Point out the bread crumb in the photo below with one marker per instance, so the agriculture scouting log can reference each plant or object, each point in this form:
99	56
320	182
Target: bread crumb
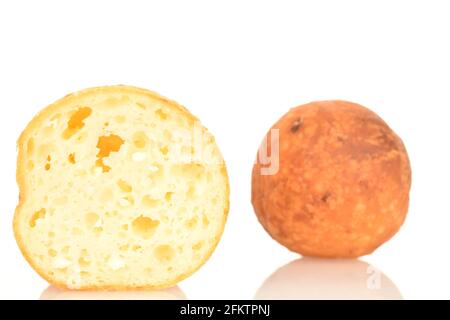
116	263
138	156
61	263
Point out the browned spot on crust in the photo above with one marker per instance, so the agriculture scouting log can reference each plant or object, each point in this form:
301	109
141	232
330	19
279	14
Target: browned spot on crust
296	125
325	197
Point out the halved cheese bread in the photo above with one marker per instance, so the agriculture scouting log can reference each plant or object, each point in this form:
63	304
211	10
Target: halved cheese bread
120	188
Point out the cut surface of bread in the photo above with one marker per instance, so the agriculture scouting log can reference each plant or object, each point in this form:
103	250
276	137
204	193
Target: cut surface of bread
120	188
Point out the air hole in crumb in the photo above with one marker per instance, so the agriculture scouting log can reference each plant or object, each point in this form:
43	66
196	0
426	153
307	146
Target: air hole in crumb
124	186
76	122
164	253
168	196
51	234
144	227
140	139
40	214
124	227
191	223
164	150
161	114
84	262
197	246
71	158
149	202
106	145
52	253
47	165
92	220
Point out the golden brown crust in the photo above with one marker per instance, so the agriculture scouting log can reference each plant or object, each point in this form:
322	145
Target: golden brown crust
20	177
342	188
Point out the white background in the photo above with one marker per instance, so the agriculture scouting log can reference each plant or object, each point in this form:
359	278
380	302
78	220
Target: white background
239	66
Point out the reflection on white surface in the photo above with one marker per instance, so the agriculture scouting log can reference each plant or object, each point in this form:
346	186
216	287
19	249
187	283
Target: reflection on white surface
53	293
310	278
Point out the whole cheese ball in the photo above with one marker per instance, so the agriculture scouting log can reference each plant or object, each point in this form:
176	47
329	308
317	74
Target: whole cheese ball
340	185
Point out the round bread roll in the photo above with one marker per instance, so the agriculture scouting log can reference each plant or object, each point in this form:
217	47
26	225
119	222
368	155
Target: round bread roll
120	188
339	187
